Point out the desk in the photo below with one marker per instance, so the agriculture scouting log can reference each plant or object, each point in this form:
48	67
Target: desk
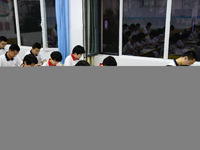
147	51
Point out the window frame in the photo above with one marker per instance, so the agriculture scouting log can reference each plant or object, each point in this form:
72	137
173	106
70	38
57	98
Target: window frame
43	25
167	31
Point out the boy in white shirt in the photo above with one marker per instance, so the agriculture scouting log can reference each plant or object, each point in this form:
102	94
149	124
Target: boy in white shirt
3	43
187	59
36	51
10	59
76	55
55	59
29	61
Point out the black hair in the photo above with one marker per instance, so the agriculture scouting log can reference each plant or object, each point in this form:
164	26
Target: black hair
109	61
78	50
3	38
82	63
37	45
149	24
190	54
30	59
14	47
57	56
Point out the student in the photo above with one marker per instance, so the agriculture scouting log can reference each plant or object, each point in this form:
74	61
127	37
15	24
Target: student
36	51
76	55
82	63
10	58
3	43
29	61
187	59
129	48
146	30
55	59
109	61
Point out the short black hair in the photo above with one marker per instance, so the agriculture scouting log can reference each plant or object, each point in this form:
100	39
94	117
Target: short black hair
82	63
57	56
149	24
109	61
78	50
37	45
30	59
3	38
14	47
190	54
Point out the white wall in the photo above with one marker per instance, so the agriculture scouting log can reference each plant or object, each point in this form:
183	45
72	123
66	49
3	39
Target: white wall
75	23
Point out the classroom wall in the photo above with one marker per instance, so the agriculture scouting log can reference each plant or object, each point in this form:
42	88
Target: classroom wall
75	23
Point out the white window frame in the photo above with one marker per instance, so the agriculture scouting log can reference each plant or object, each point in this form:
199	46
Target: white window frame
43	25
167	29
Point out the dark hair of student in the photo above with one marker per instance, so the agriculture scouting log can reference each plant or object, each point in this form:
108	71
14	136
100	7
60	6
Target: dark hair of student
109	61
14	47
82	63
30	59
37	45
3	38
78	50
57	56
149	24
190	54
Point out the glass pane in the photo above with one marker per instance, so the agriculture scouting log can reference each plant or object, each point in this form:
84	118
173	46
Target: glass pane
185	28
143	27
7	21
111	26
93	26
51	24
30	21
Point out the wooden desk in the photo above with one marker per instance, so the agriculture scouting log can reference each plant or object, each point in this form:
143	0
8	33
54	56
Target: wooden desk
148	51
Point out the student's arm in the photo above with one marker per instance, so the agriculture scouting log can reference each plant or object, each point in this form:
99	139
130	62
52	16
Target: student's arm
41	63
19	62
67	62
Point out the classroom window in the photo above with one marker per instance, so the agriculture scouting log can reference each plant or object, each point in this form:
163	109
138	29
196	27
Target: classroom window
30	21
110	27
185	29
51	24
143	28
7	21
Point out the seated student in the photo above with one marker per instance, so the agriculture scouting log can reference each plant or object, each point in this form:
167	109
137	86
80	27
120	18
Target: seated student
146	29
82	63
187	59
129	48
3	43
76	55
29	61
36	51
10	59
109	61
55	59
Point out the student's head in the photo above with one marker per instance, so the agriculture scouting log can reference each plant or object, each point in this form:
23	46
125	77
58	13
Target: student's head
82	63
188	58
3	42
78	51
13	50
30	60
125	26
55	57
148	26
134	39
36	48
109	61
138	26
